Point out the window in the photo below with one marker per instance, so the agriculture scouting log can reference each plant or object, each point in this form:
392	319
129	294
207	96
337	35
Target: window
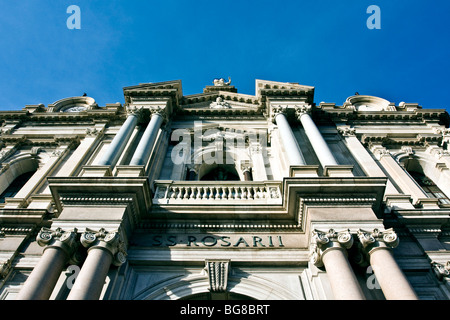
430	188
15	186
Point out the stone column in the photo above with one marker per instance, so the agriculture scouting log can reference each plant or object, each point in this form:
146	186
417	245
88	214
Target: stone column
318	143
59	248
392	281
329	251
247	174
119	142
104	248
145	146
287	137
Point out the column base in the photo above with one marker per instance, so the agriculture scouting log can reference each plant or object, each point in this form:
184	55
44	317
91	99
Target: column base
338	171
96	171
303	171
130	171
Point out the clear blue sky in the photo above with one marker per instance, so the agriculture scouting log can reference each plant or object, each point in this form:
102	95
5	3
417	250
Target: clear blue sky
320	43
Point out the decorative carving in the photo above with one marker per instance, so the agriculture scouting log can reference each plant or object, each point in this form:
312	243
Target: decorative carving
301	110
65	240
220	104
378	239
440	270
110	240
322	241
347	132
5	268
217	274
220	82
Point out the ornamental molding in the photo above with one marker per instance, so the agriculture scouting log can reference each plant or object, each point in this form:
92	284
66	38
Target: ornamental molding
332	201
217	271
221	227
324	241
109	240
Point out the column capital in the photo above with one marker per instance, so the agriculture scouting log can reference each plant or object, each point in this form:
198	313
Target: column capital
302	110
276	110
160	112
65	240
346	131
134	111
376	239
109	240
324	241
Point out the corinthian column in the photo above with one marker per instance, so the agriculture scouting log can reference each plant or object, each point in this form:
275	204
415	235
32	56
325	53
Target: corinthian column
104	248
287	137
59	247
392	281
318	143
145	146
119	142
329	251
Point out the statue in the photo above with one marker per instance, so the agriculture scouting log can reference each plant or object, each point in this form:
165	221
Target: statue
219	104
220	82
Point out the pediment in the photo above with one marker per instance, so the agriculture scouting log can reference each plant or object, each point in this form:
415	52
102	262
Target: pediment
220	101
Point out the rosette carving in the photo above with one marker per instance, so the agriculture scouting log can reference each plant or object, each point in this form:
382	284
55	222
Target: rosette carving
322	241
110	240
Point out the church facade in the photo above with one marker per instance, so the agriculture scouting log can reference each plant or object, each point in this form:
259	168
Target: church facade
223	195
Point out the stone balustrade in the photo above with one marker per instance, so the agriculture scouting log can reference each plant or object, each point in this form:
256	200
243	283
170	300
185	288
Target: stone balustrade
228	192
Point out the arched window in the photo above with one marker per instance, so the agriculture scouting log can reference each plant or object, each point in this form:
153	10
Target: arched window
15	186
430	188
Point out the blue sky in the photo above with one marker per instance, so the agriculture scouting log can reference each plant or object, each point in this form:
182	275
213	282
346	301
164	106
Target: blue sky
321	43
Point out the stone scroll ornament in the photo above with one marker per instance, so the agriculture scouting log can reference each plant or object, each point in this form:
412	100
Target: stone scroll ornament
110	240
322	241
63	239
372	240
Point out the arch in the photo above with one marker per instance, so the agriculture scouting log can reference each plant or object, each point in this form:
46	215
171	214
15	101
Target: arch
17	166
422	163
73	103
253	287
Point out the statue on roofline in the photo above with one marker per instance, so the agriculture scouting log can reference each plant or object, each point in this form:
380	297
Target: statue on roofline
220	82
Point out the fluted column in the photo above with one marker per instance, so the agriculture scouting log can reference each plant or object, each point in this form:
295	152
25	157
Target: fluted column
393	283
104	248
59	248
329	251
145	146
119	142
287	137
318	143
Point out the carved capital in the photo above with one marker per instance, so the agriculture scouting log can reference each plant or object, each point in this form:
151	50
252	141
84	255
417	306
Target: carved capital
133	110
59	238
301	110
372	240
217	274
276	110
347	131
321	242
380	152
109	240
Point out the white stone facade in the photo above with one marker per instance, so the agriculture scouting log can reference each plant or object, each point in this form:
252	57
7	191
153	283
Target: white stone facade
222	195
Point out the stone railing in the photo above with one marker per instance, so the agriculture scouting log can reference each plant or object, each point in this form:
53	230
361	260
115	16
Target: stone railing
223	192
